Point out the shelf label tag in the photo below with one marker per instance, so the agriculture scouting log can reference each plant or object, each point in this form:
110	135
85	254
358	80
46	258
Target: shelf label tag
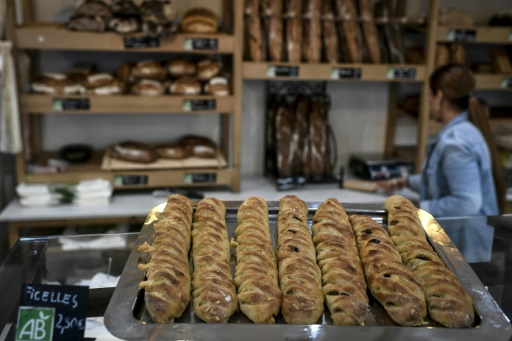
141	42
210	44
401	73
130	180
199	104
461	34
346	73
63	104
52	312
506	83
283	71
200	178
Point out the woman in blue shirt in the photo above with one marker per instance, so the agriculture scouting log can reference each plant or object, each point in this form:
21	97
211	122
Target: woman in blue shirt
462	174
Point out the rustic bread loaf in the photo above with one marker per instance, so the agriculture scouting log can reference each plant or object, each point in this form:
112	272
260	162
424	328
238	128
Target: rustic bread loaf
390	282
344	285
167	283
447	301
256	276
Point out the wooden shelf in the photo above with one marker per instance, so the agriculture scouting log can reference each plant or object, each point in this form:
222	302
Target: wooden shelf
333	72
476	34
127	104
493	81
45	36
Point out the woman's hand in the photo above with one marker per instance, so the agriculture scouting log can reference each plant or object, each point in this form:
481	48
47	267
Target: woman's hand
393	185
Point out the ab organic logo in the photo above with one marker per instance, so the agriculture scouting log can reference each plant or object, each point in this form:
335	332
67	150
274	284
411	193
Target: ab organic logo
35	324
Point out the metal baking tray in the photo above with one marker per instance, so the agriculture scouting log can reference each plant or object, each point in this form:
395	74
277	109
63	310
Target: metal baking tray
127	318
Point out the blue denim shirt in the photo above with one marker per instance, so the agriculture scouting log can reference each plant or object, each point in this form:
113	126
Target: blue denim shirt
456	178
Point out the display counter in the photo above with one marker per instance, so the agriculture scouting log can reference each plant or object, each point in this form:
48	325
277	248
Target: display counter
484	242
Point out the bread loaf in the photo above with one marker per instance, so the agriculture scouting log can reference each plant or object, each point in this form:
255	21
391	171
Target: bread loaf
344	285
253	31
174	151
149	69
214	292
330	35
312	47
447	301
442	55
180	67
256	276
148	87
390	282
293	19
299	275
273	11
318	137
134	152
370	31
185	86
347	13
199	20
167	283
300	158
283	131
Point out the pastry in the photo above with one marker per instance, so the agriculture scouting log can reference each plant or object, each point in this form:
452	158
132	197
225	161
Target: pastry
185	86
299	275
447	301
148	87
256	276
199	20
253	32
390	282
167	283
273	11
180	67
149	69
86	23
217	86
174	151
312	47
293	20
207	69
213	289
134	152
343	280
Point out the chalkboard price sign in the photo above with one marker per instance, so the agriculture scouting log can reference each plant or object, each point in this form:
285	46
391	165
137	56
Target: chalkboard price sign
141	42
71	104
462	34
196	178
207	44
346	73
199	104
283	71
52	312
403	73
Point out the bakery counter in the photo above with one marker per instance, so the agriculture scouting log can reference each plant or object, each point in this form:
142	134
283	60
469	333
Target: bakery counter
97	261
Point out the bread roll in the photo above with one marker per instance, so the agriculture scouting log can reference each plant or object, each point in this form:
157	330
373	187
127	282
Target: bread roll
312	46
344	285
167	283
293	18
256	276
214	292
390	282
300	278
447	301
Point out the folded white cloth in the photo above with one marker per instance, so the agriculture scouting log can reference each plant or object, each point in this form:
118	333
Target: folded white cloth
92	185
93	243
40	201
104	193
24	190
92	202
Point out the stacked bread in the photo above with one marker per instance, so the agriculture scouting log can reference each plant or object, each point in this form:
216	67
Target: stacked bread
333	262
185	147
299	138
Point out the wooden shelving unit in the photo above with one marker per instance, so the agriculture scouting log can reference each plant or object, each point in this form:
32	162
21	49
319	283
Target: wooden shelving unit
36	36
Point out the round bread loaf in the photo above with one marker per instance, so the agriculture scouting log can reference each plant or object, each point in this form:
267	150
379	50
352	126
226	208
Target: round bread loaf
149	69
180	67
199	20
207	69
217	86
185	86
148	87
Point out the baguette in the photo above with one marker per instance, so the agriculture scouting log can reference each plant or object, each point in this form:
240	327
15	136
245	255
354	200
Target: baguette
370	31
330	35
256	276
390	281
273	11
299	275
167	283
293	30
346	11
448	303
214	292
312	47
254	37
344	285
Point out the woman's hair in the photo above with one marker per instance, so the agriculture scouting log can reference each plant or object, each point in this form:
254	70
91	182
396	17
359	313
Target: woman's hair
457	83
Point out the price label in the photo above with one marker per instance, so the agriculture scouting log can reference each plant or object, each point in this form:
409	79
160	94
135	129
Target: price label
52	312
401	73
209	44
199	104
506	83
461	34
70	104
141	42
346	73
130	180
200	178
283	71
